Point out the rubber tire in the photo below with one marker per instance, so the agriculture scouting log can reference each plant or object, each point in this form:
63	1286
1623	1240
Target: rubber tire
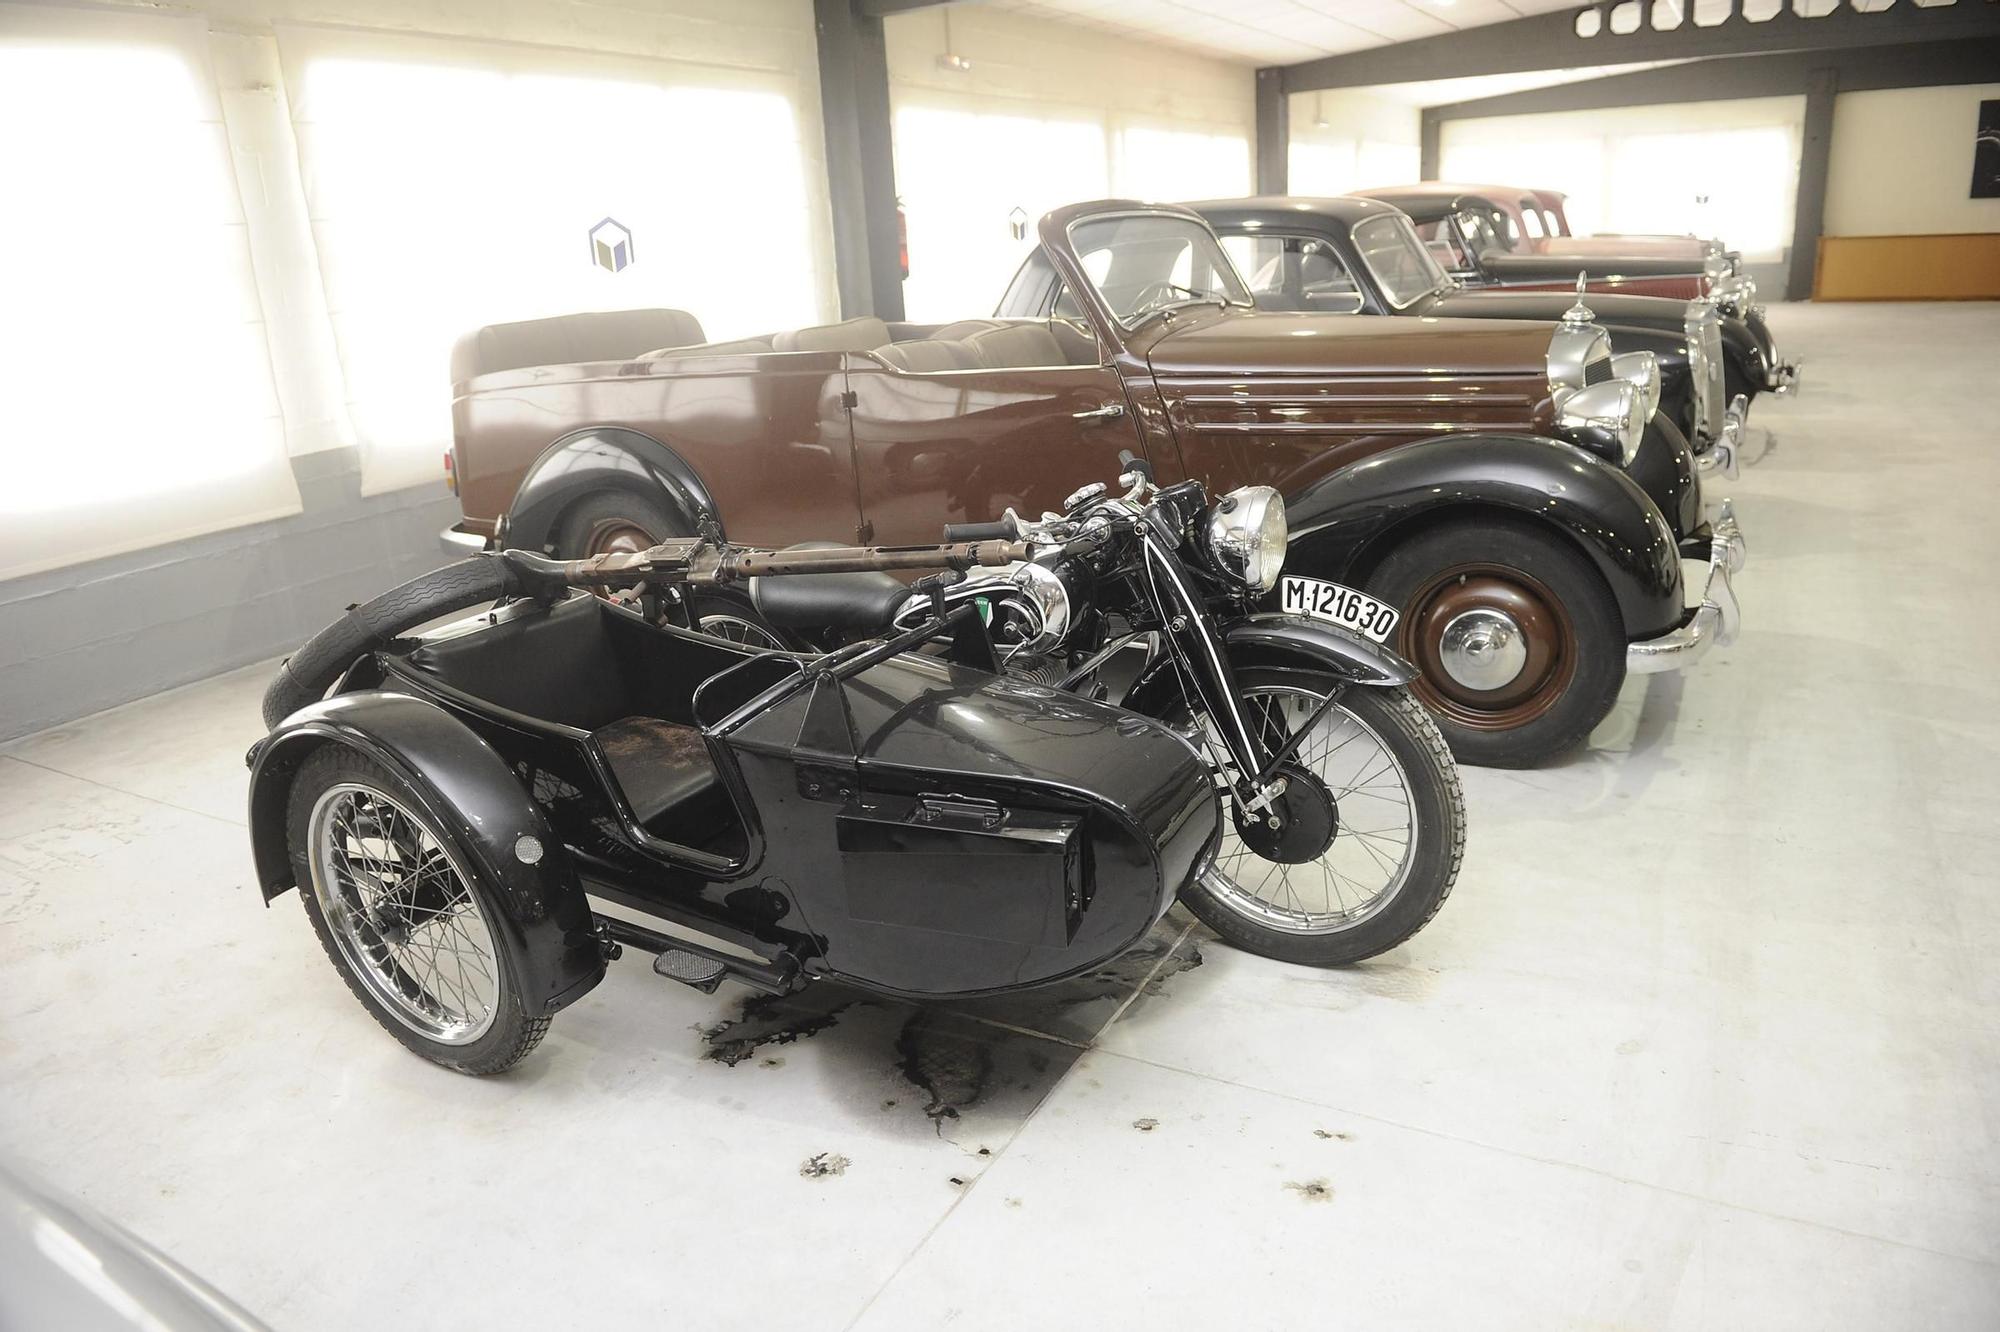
514	1032
1600	629
1408	728
649	516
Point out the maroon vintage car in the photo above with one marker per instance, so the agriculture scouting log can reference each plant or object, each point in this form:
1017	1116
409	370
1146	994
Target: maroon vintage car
1480	233
1499	485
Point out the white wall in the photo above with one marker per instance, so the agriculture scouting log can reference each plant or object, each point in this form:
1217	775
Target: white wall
1902	163
1727	169
1364	141
1049	113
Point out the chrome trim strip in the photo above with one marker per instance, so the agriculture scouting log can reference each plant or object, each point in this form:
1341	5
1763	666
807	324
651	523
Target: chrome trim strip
1351	427
1353	399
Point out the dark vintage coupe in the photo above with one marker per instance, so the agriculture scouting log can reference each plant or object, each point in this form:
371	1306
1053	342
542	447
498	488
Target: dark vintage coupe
1349	255
1494	486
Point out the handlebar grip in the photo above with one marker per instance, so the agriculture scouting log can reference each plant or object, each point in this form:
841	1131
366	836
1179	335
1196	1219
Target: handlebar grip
996	531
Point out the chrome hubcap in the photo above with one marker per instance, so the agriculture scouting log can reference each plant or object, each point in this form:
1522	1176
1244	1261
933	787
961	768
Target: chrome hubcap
1483	649
402	911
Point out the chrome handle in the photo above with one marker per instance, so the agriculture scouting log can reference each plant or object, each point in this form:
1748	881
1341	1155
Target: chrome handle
1110	411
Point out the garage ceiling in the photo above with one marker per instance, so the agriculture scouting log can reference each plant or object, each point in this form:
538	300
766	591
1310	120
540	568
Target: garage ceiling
1282	32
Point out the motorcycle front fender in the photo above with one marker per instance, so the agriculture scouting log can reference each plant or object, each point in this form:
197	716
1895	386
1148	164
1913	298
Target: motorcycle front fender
466	789
1272	639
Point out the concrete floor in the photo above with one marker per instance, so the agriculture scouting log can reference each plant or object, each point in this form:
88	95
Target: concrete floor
1706	1037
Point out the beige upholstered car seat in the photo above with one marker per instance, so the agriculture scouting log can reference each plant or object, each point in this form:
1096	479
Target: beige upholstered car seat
603	335
857	335
1017	346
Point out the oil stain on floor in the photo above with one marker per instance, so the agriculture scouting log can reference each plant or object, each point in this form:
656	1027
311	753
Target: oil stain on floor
991	1060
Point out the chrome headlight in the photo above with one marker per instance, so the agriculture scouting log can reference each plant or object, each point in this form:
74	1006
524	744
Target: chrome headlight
1606	419
1640	369
1247	536
1046	601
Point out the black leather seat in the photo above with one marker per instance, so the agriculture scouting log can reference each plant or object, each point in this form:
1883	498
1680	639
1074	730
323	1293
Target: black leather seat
862	601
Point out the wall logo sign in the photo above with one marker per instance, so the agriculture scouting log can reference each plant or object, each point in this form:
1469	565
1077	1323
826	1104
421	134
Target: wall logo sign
611	245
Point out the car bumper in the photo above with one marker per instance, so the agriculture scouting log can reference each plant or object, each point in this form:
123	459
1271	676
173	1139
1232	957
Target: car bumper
458	541
1721	458
1715	621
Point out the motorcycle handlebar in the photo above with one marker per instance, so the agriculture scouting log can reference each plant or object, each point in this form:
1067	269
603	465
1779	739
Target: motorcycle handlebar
995	531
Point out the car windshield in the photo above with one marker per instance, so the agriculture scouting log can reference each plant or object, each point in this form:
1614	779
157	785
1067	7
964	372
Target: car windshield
1403	268
1143	263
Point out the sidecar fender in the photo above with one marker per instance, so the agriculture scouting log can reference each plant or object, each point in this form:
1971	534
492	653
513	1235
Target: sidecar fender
465	787
1271	639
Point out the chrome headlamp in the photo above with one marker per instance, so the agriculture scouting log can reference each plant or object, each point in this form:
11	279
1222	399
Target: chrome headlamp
1608	419
1247	536
1640	369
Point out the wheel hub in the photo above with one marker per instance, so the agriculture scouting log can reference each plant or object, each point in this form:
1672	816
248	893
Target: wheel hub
1306	818
1483	648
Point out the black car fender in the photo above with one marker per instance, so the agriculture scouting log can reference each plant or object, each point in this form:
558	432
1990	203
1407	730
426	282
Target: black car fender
1343	523
466	789
596	459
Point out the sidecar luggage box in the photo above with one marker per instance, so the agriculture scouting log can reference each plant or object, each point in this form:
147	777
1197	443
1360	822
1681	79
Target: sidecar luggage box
946	831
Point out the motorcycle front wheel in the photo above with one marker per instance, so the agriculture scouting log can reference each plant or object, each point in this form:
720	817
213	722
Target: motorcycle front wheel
1373	868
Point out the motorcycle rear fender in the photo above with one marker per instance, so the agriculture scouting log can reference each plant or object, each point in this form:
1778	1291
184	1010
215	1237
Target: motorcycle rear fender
1270	639
599	459
465	787
1341	524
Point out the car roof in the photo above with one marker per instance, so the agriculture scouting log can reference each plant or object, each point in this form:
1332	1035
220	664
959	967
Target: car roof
1344	208
1434	191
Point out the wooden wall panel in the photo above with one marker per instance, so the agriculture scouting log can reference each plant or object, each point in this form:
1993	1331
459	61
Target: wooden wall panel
1908	268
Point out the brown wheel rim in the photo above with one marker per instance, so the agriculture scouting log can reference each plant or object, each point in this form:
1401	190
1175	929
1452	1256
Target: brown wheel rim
1495	647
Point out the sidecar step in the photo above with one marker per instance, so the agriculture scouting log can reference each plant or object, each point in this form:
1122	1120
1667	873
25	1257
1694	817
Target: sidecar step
703	967
704	973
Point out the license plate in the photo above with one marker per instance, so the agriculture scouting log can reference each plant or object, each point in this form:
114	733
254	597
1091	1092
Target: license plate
1338	605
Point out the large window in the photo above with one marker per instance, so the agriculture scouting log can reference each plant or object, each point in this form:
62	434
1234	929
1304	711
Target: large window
140	407
1724	169
453	185
974	182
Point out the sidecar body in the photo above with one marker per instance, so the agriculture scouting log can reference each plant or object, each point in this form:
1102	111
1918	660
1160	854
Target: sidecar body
884	818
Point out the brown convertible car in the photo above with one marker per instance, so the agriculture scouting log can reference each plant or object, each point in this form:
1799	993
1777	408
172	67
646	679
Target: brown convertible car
1500	486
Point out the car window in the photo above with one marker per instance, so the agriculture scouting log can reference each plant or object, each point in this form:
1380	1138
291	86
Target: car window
1402	265
1441	241
1476	228
1143	263
1533	221
1294	273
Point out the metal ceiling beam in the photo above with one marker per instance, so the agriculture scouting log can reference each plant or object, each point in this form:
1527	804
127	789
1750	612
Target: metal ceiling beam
1917	65
884	8
1549	41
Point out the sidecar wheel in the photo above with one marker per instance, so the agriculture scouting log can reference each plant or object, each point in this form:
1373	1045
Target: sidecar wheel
413	934
1397	829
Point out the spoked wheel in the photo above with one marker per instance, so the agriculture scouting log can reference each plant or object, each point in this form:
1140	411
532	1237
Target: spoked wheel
1518	642
721	617
408	927
1363	846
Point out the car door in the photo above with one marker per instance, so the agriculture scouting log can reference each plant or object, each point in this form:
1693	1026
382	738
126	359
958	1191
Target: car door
966	444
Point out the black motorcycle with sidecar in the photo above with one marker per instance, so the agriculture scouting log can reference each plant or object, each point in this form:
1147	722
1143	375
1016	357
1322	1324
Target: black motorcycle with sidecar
900	814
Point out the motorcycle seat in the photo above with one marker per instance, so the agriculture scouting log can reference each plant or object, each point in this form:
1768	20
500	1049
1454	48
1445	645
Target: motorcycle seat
863	601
